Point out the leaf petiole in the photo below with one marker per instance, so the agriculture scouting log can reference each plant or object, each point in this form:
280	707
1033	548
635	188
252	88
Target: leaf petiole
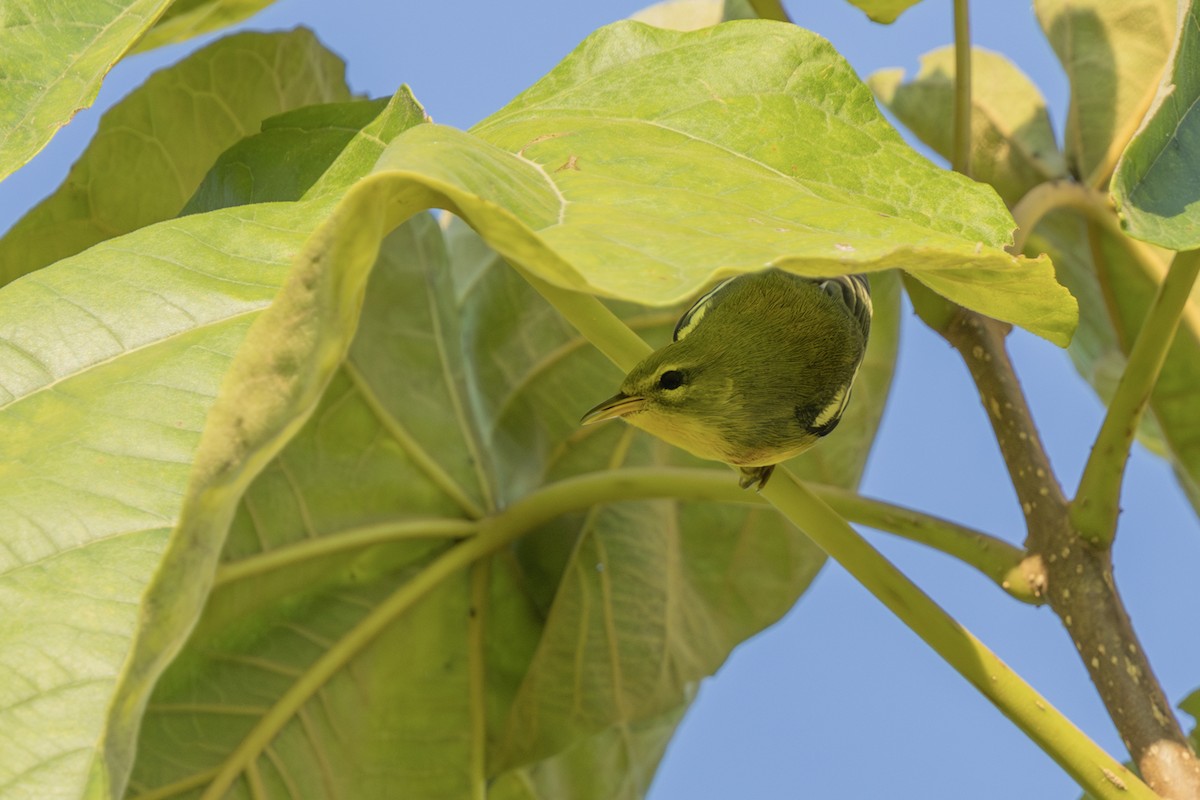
1095	507
1086	762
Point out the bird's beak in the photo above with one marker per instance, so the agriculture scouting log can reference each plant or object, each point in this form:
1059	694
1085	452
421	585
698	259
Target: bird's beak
618	405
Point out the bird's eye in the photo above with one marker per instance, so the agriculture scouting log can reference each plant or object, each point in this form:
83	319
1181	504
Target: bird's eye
671	379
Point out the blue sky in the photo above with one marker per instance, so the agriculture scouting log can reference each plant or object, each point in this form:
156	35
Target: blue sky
839	699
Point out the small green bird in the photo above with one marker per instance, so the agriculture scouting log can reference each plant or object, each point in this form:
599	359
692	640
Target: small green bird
758	370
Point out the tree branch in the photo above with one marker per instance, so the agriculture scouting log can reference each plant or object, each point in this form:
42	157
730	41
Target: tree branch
1080	586
980	342
1080	583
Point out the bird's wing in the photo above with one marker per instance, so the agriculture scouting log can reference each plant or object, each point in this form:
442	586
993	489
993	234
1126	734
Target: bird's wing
691	318
855	293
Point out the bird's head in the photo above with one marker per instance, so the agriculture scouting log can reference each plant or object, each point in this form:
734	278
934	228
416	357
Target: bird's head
675	395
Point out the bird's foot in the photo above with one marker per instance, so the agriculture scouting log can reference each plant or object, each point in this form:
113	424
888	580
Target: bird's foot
753	475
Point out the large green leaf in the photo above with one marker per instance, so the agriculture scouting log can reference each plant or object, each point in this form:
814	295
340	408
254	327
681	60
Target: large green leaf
311	152
788	164
185	19
53	56
502	381
1114	55
373	451
397	714
110	361
152	149
1012	143
1156	186
586	668
527	366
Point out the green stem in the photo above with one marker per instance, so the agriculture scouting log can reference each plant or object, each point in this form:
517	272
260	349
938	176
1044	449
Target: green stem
1096	505
1008	566
1036	204
1096	206
594	320
1004	563
1053	195
1094	770
961	155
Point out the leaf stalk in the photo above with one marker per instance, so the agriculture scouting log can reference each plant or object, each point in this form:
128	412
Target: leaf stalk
1096	506
1006	565
1094	770
961	155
